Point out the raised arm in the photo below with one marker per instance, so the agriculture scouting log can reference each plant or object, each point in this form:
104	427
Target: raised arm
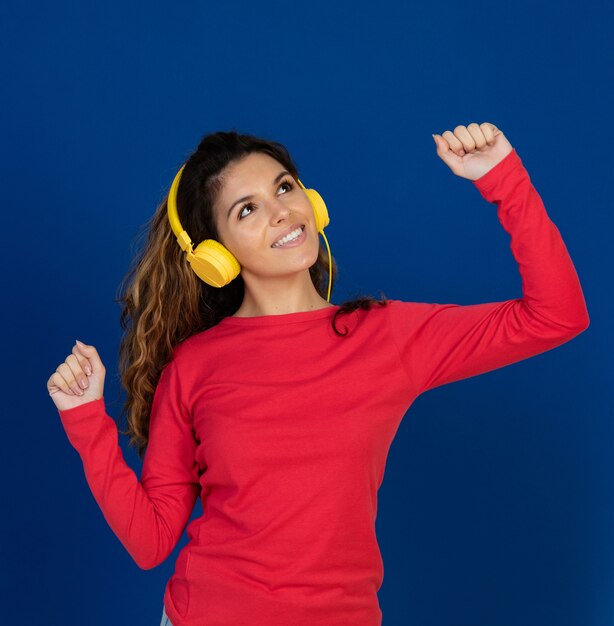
442	343
148	516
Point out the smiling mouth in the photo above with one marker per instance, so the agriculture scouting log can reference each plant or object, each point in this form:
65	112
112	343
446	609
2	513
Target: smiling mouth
283	242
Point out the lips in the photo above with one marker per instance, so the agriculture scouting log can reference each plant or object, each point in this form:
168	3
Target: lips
288	231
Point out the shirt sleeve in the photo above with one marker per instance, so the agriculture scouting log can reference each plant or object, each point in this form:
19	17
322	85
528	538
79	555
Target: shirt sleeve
148	515
443	343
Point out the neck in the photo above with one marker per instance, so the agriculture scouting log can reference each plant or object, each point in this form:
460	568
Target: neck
294	294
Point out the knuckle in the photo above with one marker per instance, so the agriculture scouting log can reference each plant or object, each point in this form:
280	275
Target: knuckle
63	383
75	366
59	382
64	378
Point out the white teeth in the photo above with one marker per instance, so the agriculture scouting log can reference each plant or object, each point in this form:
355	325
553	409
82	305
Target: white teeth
293	235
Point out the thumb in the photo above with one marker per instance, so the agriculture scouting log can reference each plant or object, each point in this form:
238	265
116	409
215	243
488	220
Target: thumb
443	150
91	353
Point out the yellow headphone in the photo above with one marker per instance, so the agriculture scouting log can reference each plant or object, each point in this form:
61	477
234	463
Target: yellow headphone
215	264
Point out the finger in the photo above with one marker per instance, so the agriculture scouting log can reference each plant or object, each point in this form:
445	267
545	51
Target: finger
77	370
455	145
489	132
69	377
443	149
84	362
92	354
465	138
56	382
478	136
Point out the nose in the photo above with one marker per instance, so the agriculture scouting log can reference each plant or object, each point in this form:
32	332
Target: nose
278	210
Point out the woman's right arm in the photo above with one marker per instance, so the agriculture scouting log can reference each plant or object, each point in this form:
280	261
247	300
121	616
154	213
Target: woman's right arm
148	515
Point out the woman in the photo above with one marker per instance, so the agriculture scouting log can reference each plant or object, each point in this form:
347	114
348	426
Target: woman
245	393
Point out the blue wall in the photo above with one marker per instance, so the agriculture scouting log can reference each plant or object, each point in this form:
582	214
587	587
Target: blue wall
496	506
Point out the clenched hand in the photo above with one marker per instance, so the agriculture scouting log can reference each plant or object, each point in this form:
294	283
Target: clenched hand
471	151
79	379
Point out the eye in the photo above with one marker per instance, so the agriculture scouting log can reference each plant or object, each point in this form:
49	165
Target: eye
287	182
250	206
245	206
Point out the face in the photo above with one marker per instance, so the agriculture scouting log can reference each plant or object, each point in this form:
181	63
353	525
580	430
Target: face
277	206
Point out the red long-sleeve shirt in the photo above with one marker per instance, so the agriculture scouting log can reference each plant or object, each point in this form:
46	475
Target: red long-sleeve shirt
282	428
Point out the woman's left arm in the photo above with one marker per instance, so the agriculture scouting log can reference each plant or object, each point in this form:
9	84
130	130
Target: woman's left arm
442	343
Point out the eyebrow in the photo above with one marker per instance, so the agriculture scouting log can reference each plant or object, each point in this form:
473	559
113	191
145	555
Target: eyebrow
244	198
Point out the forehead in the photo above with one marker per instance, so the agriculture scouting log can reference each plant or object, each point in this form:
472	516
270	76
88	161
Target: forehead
241	176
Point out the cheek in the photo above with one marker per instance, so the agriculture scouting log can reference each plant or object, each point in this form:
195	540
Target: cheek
248	245
317	252
230	243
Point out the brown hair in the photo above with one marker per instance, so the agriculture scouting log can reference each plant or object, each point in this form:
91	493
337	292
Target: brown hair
164	302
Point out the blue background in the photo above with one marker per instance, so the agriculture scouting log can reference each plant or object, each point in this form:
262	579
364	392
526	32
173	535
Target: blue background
496	506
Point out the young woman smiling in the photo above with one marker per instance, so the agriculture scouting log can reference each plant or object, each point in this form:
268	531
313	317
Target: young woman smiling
242	390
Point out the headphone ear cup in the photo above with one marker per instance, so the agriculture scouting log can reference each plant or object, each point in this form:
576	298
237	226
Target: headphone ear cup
319	209
213	263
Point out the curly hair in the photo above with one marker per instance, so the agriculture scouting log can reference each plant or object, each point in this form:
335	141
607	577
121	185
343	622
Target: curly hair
164	302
